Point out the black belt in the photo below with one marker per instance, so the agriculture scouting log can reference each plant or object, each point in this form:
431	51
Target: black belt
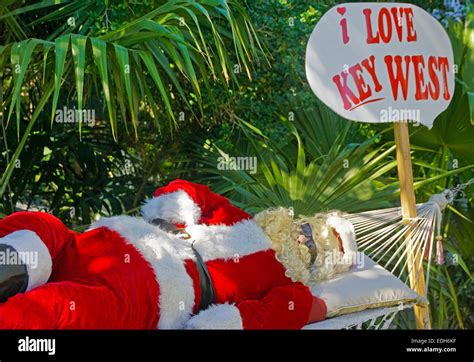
208	295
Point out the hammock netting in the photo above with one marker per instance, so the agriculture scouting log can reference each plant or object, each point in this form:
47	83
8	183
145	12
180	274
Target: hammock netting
401	246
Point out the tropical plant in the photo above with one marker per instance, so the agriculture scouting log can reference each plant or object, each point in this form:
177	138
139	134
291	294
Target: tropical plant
142	64
142	70
322	169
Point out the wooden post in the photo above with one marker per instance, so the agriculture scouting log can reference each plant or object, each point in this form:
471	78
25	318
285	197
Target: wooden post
408	203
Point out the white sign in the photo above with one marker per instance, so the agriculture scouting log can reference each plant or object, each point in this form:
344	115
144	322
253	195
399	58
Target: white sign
381	62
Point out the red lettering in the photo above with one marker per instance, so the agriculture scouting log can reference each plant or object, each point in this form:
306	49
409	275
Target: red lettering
418	67
345	34
386	21
444	66
369	64
371	39
411	32
397	14
434	82
345	91
385	25
364	90
401	77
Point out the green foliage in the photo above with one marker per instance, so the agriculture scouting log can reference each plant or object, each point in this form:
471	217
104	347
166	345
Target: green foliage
284	27
318	177
77	179
142	64
199	89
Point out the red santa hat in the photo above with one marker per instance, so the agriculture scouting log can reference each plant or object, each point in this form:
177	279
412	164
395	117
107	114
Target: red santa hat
184	202
223	230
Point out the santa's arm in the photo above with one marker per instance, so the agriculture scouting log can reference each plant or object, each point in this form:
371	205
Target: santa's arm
287	307
37	239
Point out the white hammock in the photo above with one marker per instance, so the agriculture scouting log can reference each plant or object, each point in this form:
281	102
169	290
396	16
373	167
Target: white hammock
379	318
400	246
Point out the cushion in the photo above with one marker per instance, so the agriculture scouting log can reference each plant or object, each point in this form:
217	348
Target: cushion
366	285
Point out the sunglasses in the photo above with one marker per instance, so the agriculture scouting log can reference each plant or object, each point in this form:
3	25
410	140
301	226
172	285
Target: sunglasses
310	244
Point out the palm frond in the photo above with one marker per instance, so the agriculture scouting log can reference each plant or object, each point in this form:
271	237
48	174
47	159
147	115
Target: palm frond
147	61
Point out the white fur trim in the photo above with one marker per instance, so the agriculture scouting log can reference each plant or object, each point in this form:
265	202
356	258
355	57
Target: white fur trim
166	254
176	207
221	316
225	242
33	253
346	231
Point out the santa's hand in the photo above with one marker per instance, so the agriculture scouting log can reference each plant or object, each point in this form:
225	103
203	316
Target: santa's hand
220	316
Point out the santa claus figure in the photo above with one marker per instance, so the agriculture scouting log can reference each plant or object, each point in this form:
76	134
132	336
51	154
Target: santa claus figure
193	261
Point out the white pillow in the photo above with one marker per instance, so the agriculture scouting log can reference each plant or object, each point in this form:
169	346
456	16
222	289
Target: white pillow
366	285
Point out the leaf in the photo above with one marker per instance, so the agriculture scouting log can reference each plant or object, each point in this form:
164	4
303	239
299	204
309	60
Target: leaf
11	165
78	45
419	184
120	93
99	49
124	64
46	48
453	295
150	65
165	64
61	47
20	57
470	97
33	7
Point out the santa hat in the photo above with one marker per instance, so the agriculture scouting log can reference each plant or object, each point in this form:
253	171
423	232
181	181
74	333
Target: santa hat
184	202
223	230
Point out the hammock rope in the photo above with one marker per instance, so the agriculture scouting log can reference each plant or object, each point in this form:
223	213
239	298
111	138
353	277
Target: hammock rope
400	246
389	239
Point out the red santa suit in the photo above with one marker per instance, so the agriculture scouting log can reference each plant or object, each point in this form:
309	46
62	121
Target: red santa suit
125	272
